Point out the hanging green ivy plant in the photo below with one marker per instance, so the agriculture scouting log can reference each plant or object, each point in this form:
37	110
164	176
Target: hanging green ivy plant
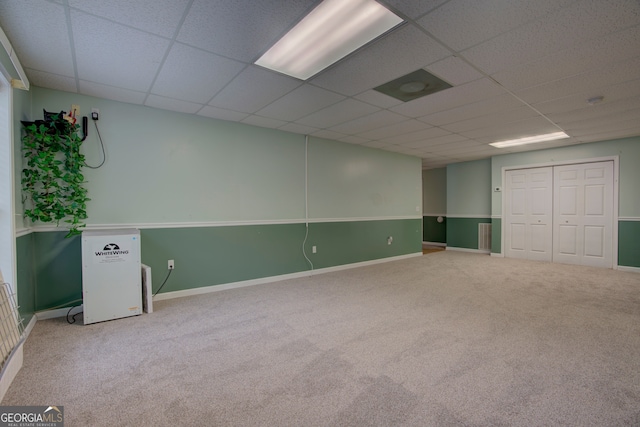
52	181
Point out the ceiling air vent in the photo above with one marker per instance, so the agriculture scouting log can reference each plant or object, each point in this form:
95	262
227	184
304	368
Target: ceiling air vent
413	86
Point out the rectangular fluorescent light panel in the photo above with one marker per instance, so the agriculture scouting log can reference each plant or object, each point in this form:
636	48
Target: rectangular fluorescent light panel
530	140
331	31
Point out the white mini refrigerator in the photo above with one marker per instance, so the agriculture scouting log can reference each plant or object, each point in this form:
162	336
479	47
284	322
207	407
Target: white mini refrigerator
111	280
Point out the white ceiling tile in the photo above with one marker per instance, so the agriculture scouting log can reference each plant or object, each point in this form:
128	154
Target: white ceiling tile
341	112
115	55
511	115
446	139
300	102
352	139
264	122
568	51
454	71
579	101
573	60
378	99
194	75
417	139
240	29
594	112
522	128
44	44
579	22
109	92
296	128
592	80
403	150
458	147
53	81
327	134
253	89
394	130
383	62
472	110
375	144
604	136
155	16
369	122
450	98
578	130
463	23
172	104
221	113
412	8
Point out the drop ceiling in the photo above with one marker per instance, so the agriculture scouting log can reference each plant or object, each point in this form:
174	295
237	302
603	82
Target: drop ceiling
518	68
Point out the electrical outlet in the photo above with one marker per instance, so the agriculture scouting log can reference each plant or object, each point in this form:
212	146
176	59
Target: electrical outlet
75	110
313	249
171	264
95	114
389	240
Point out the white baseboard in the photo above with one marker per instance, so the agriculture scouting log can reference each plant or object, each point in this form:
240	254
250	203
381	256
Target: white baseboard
435	244
30	325
475	251
629	269
12	365
60	312
271	279
497	254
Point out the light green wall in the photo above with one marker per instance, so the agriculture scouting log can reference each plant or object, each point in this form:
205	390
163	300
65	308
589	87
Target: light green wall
165	169
159	161
469	189
350	181
434	192
164	166
627	149
21	111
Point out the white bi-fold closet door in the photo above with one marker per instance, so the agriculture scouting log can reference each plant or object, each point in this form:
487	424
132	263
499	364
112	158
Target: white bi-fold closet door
561	214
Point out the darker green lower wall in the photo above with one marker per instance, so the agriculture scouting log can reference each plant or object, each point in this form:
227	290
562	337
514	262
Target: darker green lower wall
58	270
26	286
463	232
434	231
629	243
50	270
496	235
340	243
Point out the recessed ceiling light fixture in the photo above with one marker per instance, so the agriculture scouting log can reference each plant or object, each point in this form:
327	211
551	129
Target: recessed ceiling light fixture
530	140
331	31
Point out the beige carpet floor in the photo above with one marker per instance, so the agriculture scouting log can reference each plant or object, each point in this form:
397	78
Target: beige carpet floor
447	339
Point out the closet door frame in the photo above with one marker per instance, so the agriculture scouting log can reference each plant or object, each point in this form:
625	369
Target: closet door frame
616	176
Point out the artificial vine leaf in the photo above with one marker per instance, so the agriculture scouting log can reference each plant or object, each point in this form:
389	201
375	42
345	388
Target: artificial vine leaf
52	181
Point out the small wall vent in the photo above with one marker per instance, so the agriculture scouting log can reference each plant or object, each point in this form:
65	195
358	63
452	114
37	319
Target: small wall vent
484	237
